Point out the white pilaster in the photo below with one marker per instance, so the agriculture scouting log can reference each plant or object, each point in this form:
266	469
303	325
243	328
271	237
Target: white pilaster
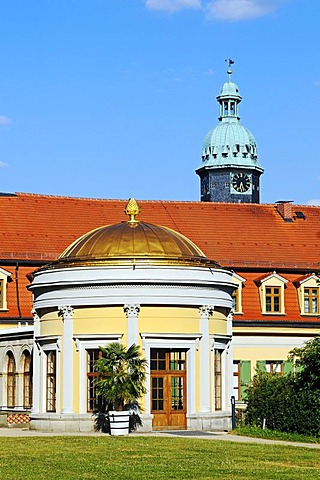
67	364
205	313
229	362
132	312
229	322
36	364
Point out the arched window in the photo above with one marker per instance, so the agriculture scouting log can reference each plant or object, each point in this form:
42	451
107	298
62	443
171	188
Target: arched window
27	380
11	380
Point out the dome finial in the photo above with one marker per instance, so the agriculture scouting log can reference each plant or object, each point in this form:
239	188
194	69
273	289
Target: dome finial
229	71
132	209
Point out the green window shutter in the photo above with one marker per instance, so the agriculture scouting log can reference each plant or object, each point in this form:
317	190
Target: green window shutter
287	367
261	365
245	377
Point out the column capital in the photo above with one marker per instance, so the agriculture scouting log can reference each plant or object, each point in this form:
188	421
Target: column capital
35	314
36	324
206	310
66	311
131	310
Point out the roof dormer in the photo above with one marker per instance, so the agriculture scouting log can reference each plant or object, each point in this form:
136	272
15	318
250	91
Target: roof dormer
271	293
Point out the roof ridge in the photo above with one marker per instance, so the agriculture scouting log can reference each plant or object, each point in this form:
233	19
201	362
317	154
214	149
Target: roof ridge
189	202
45	195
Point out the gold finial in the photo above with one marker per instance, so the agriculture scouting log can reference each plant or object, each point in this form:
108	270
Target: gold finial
132	209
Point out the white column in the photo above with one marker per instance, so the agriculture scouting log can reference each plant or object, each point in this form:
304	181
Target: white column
205	313
229	322
67	363
132	312
36	365
229	363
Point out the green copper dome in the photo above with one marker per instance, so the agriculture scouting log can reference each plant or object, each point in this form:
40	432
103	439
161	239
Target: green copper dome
229	89
229	144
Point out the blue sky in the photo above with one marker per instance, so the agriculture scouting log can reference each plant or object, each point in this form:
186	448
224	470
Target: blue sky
113	98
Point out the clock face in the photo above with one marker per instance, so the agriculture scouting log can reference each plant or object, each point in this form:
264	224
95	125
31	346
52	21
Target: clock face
241	182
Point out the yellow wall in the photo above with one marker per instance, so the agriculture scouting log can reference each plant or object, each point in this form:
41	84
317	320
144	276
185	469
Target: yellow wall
113	320
157	319
278	331
162	319
267	348
51	324
218	323
99	320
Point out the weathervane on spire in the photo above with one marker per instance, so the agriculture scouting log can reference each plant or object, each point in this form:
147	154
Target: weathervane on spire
229	71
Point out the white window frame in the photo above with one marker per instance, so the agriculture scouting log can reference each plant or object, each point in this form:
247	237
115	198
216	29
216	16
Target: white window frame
222	343
272	281
236	392
277	366
84	343
312	282
46	345
239	281
189	342
4	279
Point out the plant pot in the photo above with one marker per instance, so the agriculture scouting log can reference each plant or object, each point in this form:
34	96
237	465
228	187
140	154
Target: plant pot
119	422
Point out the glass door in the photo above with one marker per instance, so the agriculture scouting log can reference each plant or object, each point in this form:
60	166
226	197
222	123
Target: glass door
168	388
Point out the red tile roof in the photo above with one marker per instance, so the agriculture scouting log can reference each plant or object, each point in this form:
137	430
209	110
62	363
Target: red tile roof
250	235
252	308
239	236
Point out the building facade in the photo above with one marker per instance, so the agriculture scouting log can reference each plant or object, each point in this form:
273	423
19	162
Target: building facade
271	252
205	326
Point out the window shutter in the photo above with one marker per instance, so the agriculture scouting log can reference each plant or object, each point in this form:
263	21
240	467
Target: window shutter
261	365
287	367
245	377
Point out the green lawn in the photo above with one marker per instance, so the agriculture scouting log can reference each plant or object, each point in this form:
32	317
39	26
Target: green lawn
257	432
155	458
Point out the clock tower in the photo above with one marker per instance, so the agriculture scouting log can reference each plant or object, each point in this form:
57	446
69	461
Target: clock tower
230	170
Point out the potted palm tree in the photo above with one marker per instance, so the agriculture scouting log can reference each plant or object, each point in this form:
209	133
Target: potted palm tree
120	382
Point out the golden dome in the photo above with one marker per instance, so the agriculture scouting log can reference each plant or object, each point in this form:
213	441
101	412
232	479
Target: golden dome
133	242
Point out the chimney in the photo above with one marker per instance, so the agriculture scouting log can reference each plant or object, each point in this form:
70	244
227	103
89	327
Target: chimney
284	207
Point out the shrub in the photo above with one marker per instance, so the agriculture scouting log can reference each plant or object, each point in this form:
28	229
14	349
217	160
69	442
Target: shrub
270	398
288	403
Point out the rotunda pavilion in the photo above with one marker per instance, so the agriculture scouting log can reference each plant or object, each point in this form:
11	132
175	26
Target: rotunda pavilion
133	282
